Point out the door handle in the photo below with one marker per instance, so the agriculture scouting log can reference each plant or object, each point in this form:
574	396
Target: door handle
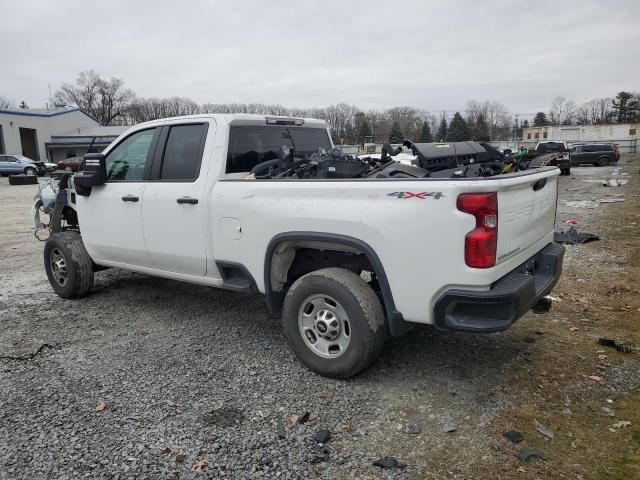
130	198
189	200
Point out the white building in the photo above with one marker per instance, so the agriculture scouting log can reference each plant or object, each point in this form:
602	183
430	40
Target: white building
52	134
595	133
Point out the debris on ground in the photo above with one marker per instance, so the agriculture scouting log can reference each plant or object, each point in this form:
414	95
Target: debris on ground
322	436
619	346
582	204
622	424
322	455
181	457
413	429
573	237
281	433
595	378
388	462
450	428
528	453
199	465
101	406
541	429
572	221
513	436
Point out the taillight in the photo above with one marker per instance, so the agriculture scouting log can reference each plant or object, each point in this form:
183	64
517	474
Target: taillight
481	243
284	121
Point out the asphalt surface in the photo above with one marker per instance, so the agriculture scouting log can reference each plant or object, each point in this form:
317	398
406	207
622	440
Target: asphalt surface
150	378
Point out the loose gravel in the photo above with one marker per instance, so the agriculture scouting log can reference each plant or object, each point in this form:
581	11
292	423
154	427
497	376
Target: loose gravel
150	378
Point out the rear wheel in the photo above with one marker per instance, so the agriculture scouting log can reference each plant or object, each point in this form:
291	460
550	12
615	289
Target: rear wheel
334	322
565	171
68	265
603	161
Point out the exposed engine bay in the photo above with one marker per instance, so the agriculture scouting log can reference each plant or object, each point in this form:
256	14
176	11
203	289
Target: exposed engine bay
431	160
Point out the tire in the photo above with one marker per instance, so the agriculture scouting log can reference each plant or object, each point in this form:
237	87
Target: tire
68	169
68	265
326	298
21	179
32	172
603	162
565	171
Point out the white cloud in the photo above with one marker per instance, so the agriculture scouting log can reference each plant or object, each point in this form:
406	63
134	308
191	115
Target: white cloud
375	54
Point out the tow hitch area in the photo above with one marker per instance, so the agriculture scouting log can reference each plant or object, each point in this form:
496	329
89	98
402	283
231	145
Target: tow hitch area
543	305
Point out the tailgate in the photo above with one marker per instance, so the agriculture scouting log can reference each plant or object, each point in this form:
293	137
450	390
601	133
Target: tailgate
526	211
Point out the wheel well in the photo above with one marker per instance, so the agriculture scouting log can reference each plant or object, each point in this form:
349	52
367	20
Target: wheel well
291	255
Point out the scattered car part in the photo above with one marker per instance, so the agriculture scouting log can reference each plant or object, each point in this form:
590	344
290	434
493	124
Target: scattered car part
528	453
23	179
573	237
513	436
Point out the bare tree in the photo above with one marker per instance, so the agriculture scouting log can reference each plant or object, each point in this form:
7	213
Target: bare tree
557	110
106	100
5	102
583	114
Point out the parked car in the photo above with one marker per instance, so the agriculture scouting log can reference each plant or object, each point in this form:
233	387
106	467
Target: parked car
343	249
72	164
601	154
20	164
50	167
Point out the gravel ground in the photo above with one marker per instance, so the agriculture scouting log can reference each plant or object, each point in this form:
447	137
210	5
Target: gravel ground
146	378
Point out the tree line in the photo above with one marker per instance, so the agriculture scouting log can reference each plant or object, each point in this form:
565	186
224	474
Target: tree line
112	104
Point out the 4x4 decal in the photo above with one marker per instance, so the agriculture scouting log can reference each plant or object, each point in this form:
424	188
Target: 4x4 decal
419	196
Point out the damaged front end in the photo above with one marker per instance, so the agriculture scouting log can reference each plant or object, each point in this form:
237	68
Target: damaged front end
55	198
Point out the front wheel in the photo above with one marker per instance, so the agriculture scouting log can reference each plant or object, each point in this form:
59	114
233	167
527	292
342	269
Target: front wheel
334	322
30	171
68	265
68	169
565	171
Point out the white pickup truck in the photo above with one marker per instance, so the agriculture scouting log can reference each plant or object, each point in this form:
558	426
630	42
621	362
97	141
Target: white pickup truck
206	199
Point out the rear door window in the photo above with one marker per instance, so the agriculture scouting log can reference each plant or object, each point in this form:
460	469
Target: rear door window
183	152
250	146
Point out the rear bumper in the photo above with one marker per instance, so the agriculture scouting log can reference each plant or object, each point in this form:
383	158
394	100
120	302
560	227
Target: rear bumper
506	301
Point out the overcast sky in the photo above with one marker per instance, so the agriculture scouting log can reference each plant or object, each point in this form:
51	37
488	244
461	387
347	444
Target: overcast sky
375	54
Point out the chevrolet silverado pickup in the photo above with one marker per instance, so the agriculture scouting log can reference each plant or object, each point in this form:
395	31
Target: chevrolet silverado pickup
344	249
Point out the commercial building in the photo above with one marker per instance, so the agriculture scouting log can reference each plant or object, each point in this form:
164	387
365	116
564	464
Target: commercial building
583	133
52	134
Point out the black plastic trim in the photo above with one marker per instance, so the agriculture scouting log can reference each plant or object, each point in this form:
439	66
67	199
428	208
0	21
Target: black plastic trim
395	320
237	278
506	301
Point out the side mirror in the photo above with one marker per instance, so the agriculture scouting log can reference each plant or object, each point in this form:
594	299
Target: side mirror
93	173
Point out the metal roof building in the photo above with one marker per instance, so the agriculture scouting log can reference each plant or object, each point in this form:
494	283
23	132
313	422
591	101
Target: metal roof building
52	134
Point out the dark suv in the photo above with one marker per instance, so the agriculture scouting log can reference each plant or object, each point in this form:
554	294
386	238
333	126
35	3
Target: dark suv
601	154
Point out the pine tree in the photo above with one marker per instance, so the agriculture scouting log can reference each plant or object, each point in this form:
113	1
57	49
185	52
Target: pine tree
540	120
480	130
626	106
458	130
425	134
396	133
363	129
441	134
